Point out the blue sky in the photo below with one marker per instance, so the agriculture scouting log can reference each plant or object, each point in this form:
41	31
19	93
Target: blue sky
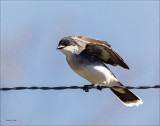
30	32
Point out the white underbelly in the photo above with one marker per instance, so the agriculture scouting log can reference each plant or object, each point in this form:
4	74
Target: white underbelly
95	74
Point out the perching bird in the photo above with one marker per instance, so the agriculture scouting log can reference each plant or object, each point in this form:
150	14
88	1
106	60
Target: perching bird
87	57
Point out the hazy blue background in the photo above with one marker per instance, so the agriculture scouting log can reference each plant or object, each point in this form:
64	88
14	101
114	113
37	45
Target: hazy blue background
30	32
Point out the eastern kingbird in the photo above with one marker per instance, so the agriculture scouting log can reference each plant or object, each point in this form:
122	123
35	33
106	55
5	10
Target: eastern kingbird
87	57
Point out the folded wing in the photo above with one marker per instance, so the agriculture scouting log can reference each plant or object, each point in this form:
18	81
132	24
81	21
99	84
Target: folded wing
102	51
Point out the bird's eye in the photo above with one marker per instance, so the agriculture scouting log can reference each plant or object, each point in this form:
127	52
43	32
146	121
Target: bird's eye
67	43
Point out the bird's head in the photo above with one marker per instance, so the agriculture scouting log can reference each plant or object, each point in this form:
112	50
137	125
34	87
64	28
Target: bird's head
68	46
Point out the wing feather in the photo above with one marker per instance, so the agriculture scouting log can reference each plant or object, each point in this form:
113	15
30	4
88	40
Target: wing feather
102	51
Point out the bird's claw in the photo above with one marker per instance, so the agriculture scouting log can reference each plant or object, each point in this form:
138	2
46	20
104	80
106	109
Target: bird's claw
99	87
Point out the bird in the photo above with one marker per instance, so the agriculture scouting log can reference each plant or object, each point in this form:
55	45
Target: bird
88	58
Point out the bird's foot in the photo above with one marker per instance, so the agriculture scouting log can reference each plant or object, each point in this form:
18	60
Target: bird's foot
87	87
99	87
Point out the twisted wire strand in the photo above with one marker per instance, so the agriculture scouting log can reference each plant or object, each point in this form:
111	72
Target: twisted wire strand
78	87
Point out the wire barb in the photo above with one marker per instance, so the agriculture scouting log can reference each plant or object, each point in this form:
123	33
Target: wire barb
78	87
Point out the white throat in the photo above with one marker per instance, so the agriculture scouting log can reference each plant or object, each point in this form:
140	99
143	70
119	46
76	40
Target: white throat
70	50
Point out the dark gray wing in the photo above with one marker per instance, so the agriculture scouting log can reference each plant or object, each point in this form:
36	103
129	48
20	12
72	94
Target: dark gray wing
100	50
105	54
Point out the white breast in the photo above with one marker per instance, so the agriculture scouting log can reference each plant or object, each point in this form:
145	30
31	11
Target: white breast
94	73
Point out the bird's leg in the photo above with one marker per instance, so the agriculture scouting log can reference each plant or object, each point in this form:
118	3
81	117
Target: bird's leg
99	87
86	87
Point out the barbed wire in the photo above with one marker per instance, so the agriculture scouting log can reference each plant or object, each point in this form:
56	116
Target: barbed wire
85	87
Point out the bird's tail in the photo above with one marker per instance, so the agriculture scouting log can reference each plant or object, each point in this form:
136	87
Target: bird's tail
126	96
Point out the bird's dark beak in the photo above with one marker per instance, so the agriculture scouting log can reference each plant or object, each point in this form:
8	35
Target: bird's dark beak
60	47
